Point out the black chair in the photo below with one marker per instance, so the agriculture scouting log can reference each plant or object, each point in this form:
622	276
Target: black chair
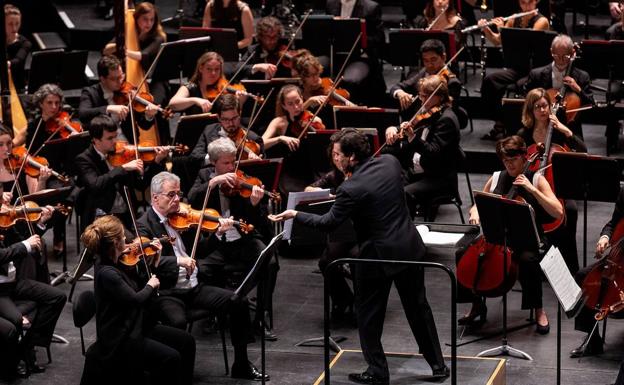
83	309
197	314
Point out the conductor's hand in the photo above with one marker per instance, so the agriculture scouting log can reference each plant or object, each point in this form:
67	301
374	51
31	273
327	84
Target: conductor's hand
283	216
154	282
601	245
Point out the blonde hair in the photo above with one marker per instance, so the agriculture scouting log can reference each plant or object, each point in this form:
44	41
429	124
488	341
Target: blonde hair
203	59
99	237
528	118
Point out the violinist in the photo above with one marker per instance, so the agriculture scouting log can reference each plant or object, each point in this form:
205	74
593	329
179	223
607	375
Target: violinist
284	130
186	291
205	84
103	182
557	74
495	84
229	126
536	191
536	117
430	150
267	51
126	346
17	46
234	14
236	249
100	99
616	31
433	57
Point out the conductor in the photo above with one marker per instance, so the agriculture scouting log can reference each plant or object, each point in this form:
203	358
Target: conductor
372	197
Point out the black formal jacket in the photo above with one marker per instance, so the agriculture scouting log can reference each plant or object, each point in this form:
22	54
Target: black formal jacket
542	77
616	217
14	253
371	12
373	198
101	184
92	104
149	225
214	131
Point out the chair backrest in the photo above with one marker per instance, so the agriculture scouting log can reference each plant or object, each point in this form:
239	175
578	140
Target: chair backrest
83	309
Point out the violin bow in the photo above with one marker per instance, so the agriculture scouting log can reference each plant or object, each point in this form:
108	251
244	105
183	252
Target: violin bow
136	230
199	226
253	121
240	68
318	110
17	188
344	64
292	38
49	137
420	111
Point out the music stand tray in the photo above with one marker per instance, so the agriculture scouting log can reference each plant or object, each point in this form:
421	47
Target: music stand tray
366	117
179	58
524	49
223	40
319	30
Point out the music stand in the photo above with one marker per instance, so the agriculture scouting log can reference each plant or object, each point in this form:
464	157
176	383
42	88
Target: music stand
404	45
67	69
524	49
222	40
580	176
179	58
364	117
267	170
511	224
319	30
603	59
512	115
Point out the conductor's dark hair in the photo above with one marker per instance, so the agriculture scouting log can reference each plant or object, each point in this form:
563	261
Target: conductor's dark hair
433	45
352	142
101	123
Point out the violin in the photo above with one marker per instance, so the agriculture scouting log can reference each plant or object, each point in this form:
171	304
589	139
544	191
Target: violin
222	86
287	56
140	101
302	120
188	217
248	146
339	97
245	185
30	212
62	124
125	152
132	254
33	164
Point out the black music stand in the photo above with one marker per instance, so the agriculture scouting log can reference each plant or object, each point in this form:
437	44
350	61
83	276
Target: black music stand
511	224
179	58
267	170
586	177
67	69
326	35
364	117
603	59
222	40
525	49
512	115
404	45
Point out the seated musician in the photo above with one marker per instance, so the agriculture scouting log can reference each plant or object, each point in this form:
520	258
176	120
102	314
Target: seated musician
104	182
440	15
429	151
233	14
237	251
536	117
126	346
433	57
267	51
205	84
229	126
554	76
185	290
17	46
284	130
584	321
16	285
536	191
99	99
495	84
616	31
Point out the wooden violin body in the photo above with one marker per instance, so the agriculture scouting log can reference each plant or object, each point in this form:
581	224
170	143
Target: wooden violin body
187	217
302	121
32	164
223	86
62	124
146	150
246	145
140	100
30	212
133	253
245	187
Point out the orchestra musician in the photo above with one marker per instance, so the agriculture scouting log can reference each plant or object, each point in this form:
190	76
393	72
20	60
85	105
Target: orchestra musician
17	46
615	31
536	191
203	85
494	84
429	151
233	14
267	51
185	290
284	130
126	346
373	198
102	181
440	15
16	284
99	99
229	126
536	118
237	250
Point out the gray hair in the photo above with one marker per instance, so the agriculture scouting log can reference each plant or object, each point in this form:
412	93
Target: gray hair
219	147
563	40
159	180
46	90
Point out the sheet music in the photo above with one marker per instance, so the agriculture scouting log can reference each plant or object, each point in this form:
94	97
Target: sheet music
438	238
562	282
294	198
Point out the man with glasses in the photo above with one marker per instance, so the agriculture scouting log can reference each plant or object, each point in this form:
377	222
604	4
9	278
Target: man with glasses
180	289
557	74
229	126
99	99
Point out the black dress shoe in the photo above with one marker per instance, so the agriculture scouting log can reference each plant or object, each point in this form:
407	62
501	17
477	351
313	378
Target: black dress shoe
589	347
248	371
542	329
474	318
441	372
367	378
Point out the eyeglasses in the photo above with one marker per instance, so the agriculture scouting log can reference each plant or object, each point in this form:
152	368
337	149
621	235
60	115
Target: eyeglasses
172	194
229	120
541	106
561	57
